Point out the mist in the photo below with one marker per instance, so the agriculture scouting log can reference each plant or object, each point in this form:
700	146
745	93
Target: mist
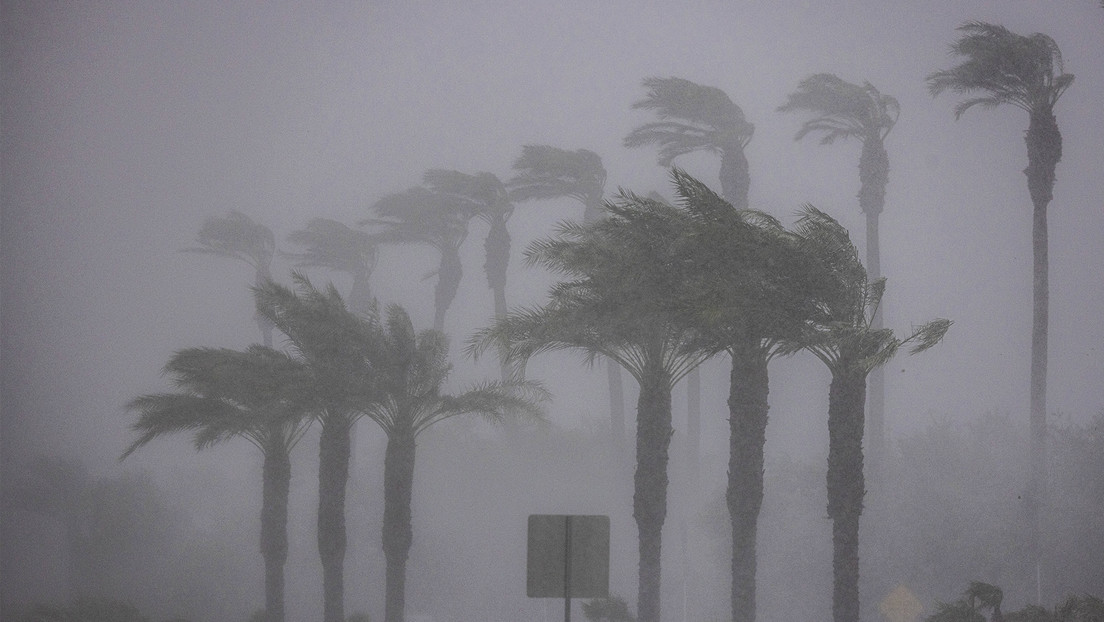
126	126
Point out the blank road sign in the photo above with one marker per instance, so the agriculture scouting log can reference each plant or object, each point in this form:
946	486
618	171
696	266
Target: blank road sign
548	544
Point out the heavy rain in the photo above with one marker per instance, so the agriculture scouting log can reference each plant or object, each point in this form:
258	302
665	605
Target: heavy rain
308	308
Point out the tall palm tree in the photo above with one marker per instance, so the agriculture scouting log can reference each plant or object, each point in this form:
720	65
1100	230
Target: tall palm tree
841	110
337	345
697	118
421	215
751	293
841	335
1001	67
257	394
492	203
239	237
546	172
330	244
412	368
620	300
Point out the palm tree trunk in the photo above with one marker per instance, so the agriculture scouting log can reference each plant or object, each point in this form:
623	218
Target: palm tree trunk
497	248
735	176
1044	151
747	404
448	283
846	488
653	437
276	482
333	477
617	404
398	476
874	177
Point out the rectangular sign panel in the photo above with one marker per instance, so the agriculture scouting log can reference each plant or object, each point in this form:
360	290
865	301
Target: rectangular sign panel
553	538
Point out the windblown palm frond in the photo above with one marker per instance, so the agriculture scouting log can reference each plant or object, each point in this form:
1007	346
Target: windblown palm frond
842	110
1025	71
331	244
239	237
693	118
546	172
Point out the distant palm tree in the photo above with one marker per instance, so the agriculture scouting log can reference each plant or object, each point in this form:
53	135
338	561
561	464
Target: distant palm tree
258	394
546	172
330	244
620	299
841	335
697	118
412	368
239	237
1002	67
841	110
492	203
421	215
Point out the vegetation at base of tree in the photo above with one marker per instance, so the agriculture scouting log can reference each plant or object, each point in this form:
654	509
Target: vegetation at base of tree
86	609
611	609
980	598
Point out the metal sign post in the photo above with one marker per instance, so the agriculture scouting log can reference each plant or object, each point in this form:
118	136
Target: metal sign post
568	557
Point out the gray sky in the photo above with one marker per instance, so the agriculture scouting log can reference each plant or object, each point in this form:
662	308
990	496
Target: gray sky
125	125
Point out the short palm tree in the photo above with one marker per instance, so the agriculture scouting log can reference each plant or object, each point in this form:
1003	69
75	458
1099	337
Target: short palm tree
333	245
697	118
546	172
841	335
421	215
239	237
259	394
1001	67
751	295
621	300
842	110
411	368
337	346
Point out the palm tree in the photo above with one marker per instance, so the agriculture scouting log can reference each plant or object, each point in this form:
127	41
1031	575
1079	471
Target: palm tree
1002	67
697	118
492	204
337	345
841	110
412	368
420	215
237	236
620	300
546	172
258	394
330	244
843	338
752	294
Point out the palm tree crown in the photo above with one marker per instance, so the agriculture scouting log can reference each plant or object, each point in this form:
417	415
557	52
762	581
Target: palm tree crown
1025	71
842	110
330	244
546	172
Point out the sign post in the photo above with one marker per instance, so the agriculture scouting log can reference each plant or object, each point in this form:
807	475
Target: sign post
568	557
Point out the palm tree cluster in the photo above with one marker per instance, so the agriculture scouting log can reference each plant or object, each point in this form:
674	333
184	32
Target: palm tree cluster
343	366
649	287
659	288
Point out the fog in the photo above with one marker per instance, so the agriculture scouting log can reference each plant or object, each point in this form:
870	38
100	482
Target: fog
125	126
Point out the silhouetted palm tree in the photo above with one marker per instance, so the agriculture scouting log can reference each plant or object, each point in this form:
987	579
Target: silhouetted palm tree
843	338
841	110
621	300
330	244
546	172
697	118
420	215
237	236
258	394
1002	67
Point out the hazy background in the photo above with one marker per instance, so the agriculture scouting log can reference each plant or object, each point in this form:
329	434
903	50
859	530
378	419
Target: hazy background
126	124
